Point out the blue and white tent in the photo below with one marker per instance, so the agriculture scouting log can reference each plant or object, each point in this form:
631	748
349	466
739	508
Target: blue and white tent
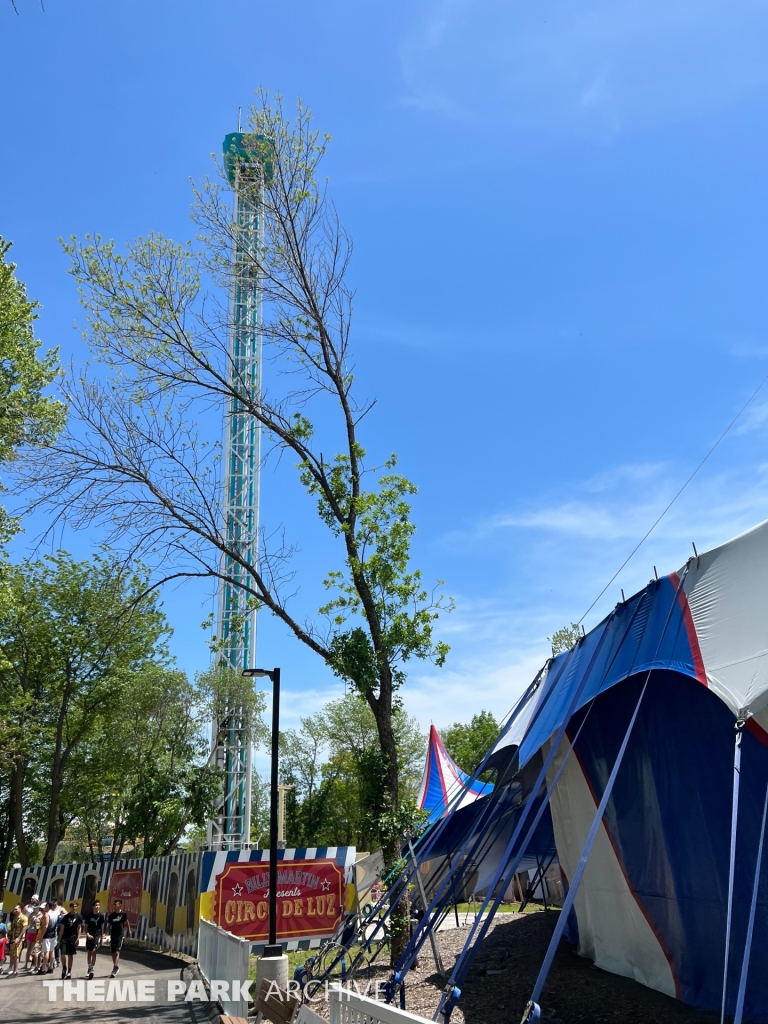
652	711
443	781
653	903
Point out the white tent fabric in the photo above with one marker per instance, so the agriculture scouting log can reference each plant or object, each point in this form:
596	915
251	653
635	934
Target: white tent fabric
727	591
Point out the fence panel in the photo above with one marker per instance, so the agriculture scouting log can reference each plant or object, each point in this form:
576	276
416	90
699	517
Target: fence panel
222	956
350	1008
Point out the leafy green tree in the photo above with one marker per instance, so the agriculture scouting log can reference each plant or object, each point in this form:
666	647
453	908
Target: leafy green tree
334	762
136	460
222	689
27	415
70	634
565	638
260	807
302	754
469	743
157	780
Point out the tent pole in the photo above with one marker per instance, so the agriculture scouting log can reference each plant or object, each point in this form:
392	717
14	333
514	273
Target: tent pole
455	903
750	927
732	865
452	991
425	905
533	1011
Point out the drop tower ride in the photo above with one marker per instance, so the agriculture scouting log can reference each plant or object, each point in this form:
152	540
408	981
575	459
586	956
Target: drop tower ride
246	163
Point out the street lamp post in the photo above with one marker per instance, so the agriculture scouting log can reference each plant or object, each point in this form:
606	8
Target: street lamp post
273	948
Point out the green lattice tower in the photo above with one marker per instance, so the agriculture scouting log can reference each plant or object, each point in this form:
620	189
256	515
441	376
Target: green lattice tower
247	162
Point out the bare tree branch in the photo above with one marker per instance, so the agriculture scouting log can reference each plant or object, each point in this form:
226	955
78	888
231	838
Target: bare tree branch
139	458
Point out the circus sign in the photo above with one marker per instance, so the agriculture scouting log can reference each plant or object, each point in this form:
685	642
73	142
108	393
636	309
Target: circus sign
127	886
310	899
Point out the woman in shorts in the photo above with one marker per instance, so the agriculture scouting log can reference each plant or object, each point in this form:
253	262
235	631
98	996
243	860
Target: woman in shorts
46	940
33	923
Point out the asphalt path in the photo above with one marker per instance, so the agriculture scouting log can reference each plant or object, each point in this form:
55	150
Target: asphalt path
26	998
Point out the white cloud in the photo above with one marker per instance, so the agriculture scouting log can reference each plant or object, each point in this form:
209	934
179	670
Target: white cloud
630	498
598	65
630	473
580	519
457	694
562	552
749	349
598	92
755	418
434	102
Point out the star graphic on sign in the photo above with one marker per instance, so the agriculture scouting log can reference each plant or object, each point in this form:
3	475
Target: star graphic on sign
325	885
237	889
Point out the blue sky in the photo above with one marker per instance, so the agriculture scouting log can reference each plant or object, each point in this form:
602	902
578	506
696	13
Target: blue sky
559	213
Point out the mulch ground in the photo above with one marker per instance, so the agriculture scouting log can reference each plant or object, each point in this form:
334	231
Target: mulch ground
500	982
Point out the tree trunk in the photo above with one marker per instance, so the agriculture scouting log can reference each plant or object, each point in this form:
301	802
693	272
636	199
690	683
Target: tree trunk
382	712
89	839
6	839
55	831
391	844
17	803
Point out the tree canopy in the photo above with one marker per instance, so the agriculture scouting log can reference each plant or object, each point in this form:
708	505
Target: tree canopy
564	639
156	781
469	743
102	737
334	763
27	415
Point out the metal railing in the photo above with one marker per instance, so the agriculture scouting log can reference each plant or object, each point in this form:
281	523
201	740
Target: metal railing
223	957
350	1008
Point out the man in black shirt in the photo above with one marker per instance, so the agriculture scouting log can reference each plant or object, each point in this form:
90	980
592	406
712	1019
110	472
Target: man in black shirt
118	928
70	927
94	934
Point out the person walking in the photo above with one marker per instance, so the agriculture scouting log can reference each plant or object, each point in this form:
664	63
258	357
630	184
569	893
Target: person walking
119	926
32	912
50	925
3	938
94	935
70	927
55	914
37	949
17	930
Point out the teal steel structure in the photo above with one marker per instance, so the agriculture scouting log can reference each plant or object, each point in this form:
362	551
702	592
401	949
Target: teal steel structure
247	164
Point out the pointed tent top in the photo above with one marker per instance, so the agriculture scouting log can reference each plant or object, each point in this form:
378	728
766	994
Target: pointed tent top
443	780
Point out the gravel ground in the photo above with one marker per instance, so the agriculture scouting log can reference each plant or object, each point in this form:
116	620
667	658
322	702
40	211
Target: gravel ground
500	983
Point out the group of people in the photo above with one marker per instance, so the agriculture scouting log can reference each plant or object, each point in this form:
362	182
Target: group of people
51	936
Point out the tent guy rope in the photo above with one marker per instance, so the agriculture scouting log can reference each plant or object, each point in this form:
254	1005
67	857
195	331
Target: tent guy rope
645	536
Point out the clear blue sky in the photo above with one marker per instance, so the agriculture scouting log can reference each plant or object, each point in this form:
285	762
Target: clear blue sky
559	212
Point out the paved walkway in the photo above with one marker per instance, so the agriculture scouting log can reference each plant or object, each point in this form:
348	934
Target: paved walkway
25	999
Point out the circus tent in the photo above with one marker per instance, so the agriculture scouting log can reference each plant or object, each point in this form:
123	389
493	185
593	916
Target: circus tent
647	745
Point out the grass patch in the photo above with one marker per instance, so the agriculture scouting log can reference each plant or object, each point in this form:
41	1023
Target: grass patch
296	958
